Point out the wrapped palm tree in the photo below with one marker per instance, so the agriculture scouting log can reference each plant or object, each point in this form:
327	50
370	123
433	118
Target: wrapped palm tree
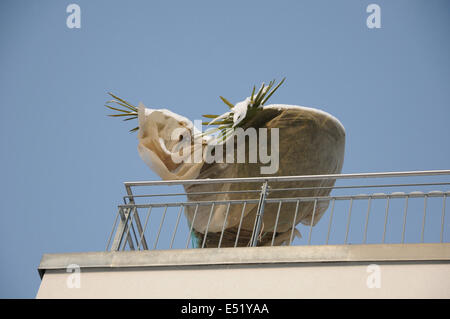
311	142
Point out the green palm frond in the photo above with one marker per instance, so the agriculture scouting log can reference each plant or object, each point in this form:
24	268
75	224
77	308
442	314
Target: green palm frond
226	102
273	91
253	94
256	101
210	116
224	123
129	111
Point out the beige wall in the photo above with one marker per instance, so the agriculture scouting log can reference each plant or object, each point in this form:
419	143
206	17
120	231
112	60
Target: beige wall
293	272
293	281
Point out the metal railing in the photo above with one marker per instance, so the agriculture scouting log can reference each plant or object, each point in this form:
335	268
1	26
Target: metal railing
404	207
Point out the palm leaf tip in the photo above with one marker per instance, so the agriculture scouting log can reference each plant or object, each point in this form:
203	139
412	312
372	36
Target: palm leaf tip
257	99
226	102
124	109
273	91
210	116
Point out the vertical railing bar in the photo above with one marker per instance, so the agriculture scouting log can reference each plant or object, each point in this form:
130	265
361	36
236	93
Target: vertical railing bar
137	219
259	214
425	199
240	224
128	237
160	226
367	219
124	242
276	224
255	224
133	230
293	223
120	231
112	231
404	219
127	230
348	221
331	219
223	226
207	226
192	226
176	226
145	227
386	218
443	217
312	222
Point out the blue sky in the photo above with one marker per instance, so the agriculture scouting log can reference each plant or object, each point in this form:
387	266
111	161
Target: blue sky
63	161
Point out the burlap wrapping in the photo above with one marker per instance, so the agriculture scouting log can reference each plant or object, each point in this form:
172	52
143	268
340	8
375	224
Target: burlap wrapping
311	142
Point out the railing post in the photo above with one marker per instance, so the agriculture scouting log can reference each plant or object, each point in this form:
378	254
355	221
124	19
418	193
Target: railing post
124	215
259	214
137	219
118	232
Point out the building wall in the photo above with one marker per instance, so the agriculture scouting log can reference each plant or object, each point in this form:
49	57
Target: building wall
289	274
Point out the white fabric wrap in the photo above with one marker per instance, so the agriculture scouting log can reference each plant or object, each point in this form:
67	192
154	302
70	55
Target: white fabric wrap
156	143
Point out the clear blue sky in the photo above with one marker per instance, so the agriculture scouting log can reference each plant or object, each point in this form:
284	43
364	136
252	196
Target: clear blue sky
63	161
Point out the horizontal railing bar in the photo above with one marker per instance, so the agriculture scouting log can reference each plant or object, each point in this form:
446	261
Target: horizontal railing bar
294	199
360	196
289	178
196	193
176	204
356	186
287	189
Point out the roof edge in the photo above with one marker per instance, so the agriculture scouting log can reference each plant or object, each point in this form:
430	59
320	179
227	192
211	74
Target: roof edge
248	255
